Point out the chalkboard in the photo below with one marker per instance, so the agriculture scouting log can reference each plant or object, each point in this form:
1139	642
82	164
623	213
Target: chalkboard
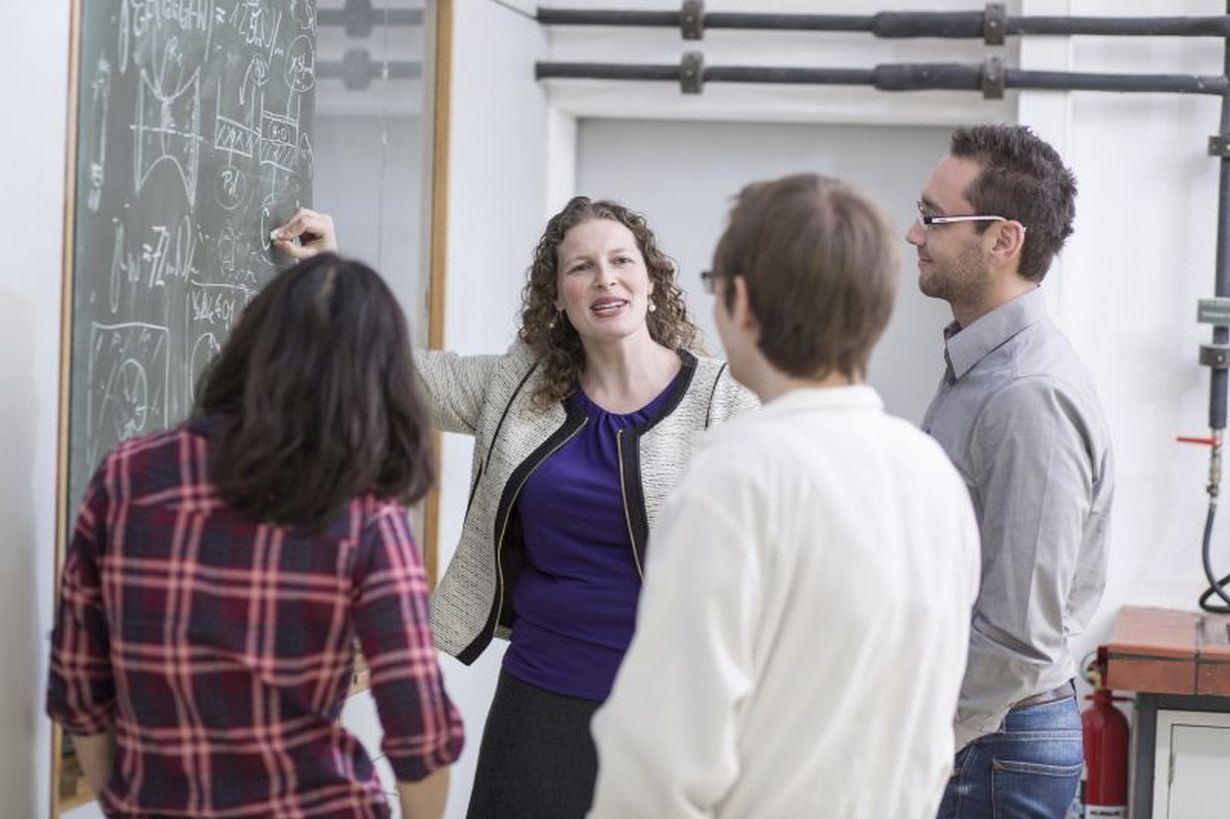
193	142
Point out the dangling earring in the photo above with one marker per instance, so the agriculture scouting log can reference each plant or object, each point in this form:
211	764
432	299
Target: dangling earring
554	320
652	307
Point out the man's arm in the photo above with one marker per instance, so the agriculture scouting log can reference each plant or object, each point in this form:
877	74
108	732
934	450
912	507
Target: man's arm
666	739
1034	484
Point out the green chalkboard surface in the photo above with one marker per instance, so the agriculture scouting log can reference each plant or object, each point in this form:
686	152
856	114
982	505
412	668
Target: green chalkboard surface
193	142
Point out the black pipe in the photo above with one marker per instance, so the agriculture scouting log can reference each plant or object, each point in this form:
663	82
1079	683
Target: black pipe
897	77
1218	375
1221	335
1122	26
582	17
604	71
788	22
369	17
790	76
1141	83
357	69
393	69
901	24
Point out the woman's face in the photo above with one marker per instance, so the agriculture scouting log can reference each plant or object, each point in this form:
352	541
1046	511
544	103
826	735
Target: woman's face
602	283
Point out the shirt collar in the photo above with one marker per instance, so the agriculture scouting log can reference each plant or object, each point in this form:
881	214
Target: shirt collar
855	396
965	347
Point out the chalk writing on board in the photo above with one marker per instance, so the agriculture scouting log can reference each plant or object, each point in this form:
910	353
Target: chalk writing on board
128	367
100	96
194	141
168	130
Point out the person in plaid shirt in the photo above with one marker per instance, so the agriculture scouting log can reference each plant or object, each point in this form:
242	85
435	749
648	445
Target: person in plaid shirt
220	573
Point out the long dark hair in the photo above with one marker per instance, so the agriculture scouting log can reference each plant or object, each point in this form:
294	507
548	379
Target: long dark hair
553	338
313	399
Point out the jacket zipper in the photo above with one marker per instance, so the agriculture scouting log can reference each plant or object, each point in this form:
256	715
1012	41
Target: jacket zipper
623	493
499	548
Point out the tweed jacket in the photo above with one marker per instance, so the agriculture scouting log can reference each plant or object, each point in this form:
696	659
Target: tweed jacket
489	397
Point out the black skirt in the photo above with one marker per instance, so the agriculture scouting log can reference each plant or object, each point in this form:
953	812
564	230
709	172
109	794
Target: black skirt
537	759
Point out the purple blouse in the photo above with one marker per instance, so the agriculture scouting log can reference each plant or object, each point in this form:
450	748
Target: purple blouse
575	598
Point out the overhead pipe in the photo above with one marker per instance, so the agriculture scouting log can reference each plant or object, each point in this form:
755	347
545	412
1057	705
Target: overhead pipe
991	78
357	69
992	24
360	17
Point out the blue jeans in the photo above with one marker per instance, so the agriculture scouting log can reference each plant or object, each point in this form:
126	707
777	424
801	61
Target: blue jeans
1029	769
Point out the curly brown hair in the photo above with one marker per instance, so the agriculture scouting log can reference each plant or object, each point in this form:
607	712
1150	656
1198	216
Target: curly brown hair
553	338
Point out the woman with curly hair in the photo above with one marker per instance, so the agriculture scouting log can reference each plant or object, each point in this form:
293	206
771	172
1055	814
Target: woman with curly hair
581	429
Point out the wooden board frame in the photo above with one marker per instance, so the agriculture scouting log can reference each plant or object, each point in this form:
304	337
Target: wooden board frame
57	802
439	25
440	101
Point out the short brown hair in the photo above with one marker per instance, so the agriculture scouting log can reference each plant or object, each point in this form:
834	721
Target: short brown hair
553	338
1022	178
821	266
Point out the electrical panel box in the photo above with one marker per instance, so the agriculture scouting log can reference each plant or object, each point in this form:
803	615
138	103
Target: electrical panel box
1189	771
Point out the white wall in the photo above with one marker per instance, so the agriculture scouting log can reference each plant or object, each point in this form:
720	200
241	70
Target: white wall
369	178
683	174
33	51
495	214
1142	254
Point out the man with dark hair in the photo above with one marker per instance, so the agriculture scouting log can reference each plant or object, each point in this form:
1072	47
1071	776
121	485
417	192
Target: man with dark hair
805	613
1018	414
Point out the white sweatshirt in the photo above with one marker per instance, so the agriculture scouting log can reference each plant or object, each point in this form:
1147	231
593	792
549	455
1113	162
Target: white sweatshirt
803	627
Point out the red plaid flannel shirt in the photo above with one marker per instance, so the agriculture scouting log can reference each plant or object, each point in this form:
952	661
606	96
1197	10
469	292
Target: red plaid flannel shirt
221	648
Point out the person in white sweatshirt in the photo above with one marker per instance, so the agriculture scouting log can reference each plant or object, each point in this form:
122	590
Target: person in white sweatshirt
802	631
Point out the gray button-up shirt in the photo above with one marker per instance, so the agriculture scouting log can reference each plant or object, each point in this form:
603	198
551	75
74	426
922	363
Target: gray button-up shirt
1017	413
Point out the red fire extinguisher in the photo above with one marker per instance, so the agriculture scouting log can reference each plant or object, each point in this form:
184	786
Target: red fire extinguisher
1105	731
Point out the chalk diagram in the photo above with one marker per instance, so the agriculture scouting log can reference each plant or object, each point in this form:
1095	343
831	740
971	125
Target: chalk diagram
167	131
203	351
301	64
279	142
212	309
238	141
305	13
127	383
140	19
231	187
307	154
100	98
216	99
256	76
226	252
118	268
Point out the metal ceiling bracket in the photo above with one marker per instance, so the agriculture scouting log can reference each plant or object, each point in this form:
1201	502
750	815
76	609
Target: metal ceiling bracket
993	81
359	15
995	24
692	19
1219	146
1216	356
356	69
692	73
